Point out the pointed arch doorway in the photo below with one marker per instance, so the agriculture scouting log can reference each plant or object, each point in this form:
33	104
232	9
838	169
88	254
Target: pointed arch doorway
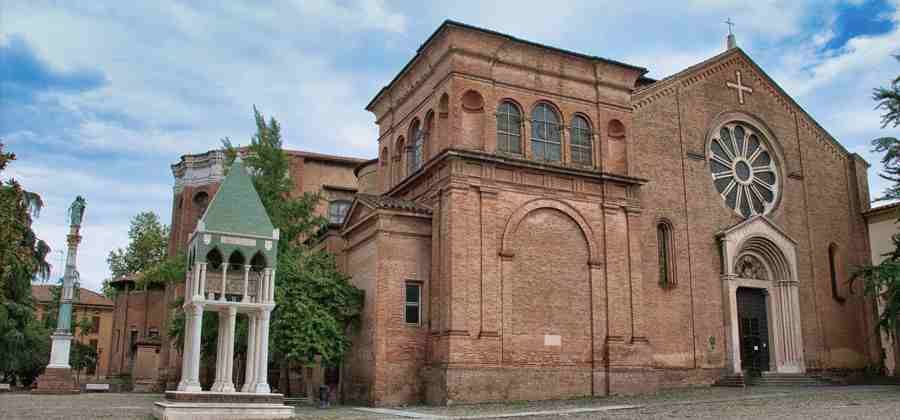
761	298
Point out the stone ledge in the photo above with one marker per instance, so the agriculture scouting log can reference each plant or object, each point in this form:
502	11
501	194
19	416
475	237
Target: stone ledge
224	397
164	410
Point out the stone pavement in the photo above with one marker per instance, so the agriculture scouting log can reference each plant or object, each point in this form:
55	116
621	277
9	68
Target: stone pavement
862	402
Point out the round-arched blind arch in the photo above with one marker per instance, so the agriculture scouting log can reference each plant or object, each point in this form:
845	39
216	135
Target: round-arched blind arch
743	169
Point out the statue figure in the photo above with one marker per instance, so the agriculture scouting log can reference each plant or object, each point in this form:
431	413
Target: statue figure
76	211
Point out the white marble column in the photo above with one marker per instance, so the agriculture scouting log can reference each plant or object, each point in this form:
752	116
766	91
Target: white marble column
250	369
185	360
224	281
272	285
246	283
262	357
200	293
193	384
220	350
228	352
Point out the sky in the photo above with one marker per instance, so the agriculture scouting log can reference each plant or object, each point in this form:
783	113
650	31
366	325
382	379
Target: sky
99	98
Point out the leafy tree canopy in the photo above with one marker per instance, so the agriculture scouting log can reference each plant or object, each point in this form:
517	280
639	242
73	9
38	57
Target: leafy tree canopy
147	246
882	281
22	259
315	303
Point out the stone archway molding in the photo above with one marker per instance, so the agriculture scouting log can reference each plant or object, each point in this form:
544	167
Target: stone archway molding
760	237
512	224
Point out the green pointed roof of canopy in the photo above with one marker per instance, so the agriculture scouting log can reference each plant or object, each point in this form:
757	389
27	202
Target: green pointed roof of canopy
236	207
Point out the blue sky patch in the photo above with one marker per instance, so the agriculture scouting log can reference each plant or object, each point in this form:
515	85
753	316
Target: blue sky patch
867	19
25	74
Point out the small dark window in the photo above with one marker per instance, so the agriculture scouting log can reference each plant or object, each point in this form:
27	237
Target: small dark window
413	303
153	333
337	210
95	325
833	266
666	254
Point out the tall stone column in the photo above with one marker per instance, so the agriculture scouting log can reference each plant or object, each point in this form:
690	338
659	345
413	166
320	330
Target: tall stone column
185	360
62	337
228	352
250	371
262	357
57	377
193	357
220	353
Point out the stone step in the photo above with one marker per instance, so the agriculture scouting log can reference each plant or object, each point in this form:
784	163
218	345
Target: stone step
734	381
788	379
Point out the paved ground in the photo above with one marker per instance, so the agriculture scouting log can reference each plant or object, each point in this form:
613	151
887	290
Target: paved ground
860	402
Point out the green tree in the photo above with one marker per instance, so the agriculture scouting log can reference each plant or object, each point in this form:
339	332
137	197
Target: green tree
23	340
147	246
82	357
315	303
882	281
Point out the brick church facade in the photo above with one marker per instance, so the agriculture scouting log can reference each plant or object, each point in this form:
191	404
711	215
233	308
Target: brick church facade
541	223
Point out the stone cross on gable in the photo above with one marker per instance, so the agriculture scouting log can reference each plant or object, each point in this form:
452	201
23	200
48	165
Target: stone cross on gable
739	86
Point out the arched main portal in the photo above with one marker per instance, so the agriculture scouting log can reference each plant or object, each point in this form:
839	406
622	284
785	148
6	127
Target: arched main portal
762	300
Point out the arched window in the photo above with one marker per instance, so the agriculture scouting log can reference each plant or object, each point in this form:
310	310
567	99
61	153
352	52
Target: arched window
546	136
509	128
582	141
384	156
258	262
214	259
416	144
337	210
834	266
666	254
236	260
201	199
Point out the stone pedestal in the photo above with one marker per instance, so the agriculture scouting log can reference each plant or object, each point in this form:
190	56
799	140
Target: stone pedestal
56	381
221	405
146	361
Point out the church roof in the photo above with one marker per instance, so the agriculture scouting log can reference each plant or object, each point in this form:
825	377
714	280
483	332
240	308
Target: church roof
42	294
391	203
643	93
236	207
452	23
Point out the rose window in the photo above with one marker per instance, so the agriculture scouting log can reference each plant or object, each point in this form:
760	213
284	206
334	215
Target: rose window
743	170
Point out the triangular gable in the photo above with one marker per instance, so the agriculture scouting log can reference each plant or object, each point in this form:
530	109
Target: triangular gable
700	71
236	207
767	225
358	211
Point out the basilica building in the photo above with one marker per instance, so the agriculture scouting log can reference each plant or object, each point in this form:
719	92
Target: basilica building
541	223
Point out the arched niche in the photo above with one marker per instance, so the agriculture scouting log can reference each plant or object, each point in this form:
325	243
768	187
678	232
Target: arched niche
472	121
616	159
